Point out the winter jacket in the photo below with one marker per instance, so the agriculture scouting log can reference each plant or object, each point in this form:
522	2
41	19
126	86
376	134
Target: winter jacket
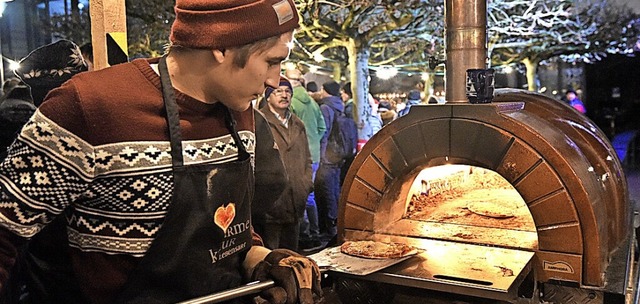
294	151
308	110
410	102
329	104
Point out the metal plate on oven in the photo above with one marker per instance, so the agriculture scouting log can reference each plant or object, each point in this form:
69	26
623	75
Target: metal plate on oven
488	272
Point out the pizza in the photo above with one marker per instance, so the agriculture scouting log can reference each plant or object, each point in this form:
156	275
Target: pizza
491	209
377	250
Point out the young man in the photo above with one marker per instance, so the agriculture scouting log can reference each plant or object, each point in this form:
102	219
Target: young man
151	163
279	226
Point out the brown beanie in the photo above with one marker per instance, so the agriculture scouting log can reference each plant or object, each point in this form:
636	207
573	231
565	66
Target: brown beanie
218	24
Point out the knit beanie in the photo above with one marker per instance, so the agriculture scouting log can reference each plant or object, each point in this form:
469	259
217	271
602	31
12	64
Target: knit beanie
332	87
283	82
49	66
219	24
414	95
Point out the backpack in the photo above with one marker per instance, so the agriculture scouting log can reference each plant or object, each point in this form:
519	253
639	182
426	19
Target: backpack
343	138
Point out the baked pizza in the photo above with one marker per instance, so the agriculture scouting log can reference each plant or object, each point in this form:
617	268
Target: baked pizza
377	250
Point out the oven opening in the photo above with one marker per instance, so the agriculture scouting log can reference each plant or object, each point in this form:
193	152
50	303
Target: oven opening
483	207
467	195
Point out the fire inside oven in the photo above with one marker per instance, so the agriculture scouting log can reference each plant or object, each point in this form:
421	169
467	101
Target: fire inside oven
471	196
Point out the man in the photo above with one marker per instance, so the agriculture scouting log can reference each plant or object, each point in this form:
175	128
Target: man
303	106
347	98
280	225
413	98
327	183
151	163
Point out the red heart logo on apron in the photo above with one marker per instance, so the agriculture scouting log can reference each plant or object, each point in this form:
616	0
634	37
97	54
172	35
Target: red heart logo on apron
224	216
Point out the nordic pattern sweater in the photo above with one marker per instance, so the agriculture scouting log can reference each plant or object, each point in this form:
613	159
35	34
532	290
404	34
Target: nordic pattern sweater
99	148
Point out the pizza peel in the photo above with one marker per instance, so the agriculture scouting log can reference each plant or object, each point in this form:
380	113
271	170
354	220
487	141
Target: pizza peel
333	260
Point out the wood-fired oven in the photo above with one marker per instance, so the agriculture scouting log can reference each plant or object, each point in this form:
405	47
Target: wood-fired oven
568	227
520	200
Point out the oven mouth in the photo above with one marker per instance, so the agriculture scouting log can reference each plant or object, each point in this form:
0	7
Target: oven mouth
457	203
469	196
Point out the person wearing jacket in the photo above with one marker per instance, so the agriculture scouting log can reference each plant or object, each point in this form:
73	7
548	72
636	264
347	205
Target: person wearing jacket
280	225
413	99
327	183
308	110
151	163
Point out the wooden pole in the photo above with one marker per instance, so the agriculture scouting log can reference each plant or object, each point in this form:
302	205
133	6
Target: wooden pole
108	18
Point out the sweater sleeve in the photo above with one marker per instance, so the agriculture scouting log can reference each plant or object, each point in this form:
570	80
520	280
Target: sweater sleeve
47	168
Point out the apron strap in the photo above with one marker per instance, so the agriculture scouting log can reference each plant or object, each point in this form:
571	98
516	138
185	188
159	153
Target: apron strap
173	118
231	125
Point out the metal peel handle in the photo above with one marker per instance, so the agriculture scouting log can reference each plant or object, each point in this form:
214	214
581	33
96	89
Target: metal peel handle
230	294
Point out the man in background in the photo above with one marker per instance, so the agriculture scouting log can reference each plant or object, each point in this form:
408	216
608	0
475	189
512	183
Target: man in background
303	106
279	226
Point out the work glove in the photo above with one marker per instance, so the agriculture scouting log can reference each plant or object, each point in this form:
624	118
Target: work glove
297	278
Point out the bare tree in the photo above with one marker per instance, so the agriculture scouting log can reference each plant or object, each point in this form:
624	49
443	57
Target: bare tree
370	32
530	32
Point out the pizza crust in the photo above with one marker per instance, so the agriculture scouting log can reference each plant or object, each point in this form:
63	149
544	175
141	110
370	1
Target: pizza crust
377	250
491	209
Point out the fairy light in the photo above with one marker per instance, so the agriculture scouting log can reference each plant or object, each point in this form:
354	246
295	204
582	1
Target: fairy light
385	73
289	65
318	57
13	65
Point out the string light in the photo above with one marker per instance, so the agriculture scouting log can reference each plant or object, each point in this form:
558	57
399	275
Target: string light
385	73
289	65
13	65
318	57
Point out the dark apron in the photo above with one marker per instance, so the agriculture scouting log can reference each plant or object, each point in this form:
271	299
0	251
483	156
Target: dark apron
207	231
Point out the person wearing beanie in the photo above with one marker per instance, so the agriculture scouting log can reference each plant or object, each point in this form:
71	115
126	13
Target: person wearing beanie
280	225
49	66
413	98
332	88
151	163
327	182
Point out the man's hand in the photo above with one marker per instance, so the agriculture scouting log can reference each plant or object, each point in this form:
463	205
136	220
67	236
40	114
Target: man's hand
297	277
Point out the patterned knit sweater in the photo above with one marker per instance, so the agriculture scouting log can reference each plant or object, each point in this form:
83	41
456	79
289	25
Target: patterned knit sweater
99	148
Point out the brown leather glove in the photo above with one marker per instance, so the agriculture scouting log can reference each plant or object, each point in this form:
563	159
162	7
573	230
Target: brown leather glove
297	277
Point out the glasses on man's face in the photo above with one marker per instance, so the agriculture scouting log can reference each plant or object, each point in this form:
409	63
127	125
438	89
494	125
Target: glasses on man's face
282	91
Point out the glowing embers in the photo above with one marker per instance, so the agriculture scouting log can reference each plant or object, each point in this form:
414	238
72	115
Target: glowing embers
467	195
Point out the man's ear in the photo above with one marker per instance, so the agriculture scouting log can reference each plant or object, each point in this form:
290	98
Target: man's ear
219	55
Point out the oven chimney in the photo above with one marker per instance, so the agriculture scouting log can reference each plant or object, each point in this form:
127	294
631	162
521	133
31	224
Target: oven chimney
466	44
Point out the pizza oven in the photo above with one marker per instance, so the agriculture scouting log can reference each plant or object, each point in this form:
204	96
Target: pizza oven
555	198
520	199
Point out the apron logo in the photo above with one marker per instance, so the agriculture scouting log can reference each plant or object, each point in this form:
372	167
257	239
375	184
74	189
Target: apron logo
224	216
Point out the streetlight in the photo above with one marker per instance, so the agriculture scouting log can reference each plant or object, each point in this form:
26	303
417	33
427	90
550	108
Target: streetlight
3	5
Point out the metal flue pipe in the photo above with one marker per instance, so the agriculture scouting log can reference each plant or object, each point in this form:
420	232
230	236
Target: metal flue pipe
466	44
